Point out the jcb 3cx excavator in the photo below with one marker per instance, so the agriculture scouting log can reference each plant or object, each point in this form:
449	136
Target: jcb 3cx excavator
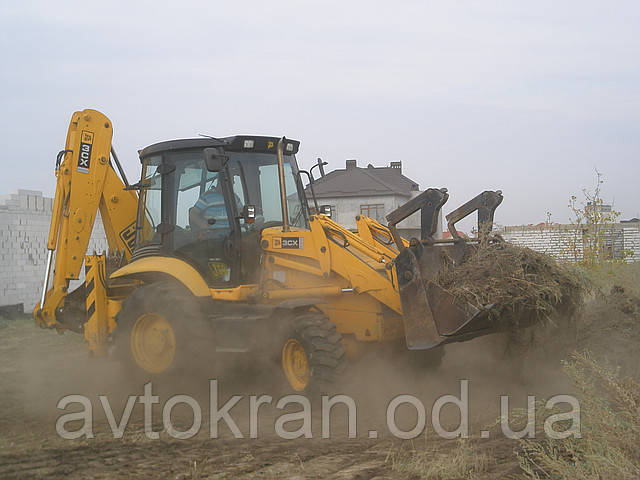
217	247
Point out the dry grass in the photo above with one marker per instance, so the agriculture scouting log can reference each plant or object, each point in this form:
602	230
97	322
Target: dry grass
526	287
462	462
608	275
610	427
609	324
196	469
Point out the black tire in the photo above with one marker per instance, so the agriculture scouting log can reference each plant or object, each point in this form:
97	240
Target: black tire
324	349
193	337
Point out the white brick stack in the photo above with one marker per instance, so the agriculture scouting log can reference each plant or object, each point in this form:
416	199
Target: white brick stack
631	241
566	241
24	228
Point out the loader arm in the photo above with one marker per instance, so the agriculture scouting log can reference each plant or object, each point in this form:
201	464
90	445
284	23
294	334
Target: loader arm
337	258
401	277
375	233
86	183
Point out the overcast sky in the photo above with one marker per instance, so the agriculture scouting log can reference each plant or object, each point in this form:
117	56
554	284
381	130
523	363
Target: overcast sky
527	97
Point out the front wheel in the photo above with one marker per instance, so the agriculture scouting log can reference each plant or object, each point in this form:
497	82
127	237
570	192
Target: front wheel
312	354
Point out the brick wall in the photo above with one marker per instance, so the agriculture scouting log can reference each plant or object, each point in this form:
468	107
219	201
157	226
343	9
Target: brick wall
559	240
551	239
631	241
24	227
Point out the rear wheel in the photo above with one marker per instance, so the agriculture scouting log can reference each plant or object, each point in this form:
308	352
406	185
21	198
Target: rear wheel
312	354
161	331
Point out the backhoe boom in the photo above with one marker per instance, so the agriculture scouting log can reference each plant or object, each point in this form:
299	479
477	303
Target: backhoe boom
86	184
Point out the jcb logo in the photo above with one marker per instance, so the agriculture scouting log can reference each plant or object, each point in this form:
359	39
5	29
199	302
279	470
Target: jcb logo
291	242
128	237
84	155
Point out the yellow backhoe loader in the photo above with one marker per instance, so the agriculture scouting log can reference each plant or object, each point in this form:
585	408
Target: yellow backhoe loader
216	246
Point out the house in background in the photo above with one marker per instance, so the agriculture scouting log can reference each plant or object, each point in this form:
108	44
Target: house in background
371	191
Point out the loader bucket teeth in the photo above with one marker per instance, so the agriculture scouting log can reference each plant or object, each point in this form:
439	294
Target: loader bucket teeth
429	203
485	204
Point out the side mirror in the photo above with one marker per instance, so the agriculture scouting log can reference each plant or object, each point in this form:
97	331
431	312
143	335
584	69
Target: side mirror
215	158
249	213
325	209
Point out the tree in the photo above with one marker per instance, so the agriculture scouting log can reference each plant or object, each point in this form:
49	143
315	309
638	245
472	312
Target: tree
592	242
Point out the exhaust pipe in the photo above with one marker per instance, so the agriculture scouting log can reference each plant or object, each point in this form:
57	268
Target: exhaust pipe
283	192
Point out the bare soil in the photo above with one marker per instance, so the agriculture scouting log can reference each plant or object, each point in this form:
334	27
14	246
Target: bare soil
38	368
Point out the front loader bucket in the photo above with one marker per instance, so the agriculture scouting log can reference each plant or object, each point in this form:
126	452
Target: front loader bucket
432	316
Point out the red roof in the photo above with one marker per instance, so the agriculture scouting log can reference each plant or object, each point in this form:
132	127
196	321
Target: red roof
447	234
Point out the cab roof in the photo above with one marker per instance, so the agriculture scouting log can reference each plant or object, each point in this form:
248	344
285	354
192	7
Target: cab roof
237	143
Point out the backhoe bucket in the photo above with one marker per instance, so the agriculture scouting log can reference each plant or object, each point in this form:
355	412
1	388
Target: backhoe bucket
432	316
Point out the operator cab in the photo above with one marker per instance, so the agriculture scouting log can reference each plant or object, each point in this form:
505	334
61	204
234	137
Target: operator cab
206	201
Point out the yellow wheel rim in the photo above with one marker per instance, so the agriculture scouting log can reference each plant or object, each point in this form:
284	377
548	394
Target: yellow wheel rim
295	364
153	343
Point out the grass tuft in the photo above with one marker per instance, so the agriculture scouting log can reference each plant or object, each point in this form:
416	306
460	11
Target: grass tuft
610	429
462	462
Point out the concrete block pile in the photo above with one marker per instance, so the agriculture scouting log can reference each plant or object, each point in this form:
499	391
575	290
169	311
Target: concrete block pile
24	227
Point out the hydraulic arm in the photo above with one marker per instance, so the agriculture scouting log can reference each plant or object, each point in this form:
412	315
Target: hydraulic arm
86	183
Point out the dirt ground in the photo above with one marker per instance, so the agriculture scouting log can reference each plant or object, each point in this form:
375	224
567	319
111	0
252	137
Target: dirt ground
38	368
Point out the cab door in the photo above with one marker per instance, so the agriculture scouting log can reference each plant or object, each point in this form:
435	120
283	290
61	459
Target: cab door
206	226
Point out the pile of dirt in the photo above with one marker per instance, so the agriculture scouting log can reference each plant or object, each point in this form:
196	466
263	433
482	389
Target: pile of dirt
525	287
